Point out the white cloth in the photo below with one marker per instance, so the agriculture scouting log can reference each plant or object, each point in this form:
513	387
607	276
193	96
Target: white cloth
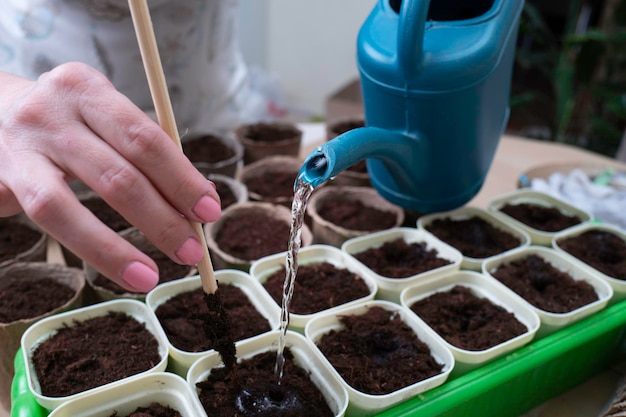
208	80
606	200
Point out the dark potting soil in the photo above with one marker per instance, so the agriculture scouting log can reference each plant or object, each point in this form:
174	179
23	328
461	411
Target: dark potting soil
153	410
400	259
106	214
545	286
354	215
378	353
256	392
272	183
540	217
16	238
474	237
26	299
318	286
603	250
253	235
227	196
268	132
208	148
467	321
94	352
168	271
181	318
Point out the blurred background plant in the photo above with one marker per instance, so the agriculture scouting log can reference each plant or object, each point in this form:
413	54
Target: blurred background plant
569	80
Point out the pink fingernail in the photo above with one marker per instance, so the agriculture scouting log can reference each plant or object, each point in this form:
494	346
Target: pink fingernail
139	276
190	252
207	209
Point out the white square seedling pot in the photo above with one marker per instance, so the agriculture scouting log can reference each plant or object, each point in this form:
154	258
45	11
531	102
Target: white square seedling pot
304	354
551	322
527	196
389	288
618	285
164	388
482	286
47	327
364	404
466	212
263	268
181	360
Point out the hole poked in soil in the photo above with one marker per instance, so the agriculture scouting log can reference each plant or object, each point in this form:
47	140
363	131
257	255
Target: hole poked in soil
377	352
540	217
153	410
94	352
256	392
545	286
473	236
601	249
399	259
181	318
318	286
466	320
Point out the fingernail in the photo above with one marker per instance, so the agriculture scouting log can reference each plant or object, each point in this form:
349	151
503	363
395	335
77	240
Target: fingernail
213	184
190	252
139	276
207	209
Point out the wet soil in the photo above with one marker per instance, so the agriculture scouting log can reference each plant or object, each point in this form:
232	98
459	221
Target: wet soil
253	235
467	321
207	148
94	352
540	217
318	286
16	238
256	393
354	215
400	259
153	410
603	250
377	353
474	237
180	317
26	299
544	286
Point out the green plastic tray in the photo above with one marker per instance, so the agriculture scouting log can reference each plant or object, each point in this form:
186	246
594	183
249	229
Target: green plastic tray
506	387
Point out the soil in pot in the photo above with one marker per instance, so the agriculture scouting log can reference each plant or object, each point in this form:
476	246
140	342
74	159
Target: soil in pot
272	184
256	392
318	286
181	318
540	217
106	214
168	271
25	299
153	410
603	250
94	352
400	259
207	148
16	238
354	215
378	353
226	193
467	321
252	235
544	286
474	237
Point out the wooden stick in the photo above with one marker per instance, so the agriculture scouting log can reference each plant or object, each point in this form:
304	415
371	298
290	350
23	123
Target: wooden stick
54	252
165	114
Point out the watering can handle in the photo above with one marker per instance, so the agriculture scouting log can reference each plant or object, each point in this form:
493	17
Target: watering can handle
411	26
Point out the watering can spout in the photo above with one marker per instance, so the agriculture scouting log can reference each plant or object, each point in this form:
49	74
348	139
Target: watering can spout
328	160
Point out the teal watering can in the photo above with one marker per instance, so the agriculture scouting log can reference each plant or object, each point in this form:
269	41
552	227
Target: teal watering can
435	79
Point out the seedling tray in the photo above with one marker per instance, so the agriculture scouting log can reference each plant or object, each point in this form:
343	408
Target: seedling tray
506	387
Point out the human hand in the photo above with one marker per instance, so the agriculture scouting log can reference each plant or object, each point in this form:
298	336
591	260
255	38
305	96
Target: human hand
72	123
